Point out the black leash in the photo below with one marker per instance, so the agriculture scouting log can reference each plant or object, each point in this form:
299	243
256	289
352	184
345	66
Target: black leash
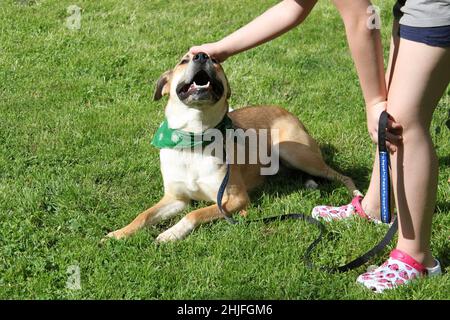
385	210
222	188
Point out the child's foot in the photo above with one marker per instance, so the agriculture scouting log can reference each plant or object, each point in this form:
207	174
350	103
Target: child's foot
329	213
398	270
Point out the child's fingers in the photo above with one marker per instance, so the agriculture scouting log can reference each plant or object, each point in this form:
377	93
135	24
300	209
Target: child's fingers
195	49
394	131
206	48
211	49
392	141
394	138
392	148
394	125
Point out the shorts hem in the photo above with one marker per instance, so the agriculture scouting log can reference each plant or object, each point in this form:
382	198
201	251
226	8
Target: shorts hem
434	36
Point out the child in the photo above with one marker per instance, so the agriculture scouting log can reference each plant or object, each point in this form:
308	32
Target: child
416	78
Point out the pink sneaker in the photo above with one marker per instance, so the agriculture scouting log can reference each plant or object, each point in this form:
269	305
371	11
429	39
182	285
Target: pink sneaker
329	213
399	269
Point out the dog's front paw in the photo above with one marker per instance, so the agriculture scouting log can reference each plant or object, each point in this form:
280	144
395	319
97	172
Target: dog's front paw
167	236
177	232
118	234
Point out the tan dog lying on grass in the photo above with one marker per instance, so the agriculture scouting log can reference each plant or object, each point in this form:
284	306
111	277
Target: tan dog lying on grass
198	92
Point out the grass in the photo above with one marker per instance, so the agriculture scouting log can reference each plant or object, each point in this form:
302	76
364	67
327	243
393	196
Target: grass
76	119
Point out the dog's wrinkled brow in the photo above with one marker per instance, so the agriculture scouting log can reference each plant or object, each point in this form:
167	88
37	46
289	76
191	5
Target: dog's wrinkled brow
185	57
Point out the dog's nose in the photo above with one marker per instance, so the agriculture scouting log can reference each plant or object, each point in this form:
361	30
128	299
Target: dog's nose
201	57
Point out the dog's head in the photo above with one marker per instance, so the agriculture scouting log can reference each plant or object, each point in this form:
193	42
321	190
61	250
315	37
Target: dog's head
197	81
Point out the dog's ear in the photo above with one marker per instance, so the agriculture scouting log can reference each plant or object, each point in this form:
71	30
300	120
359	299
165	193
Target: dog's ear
163	85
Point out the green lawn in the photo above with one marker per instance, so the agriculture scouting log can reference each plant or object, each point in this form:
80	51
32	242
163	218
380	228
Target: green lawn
76	119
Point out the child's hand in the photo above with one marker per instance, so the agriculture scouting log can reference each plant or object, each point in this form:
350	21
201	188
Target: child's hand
394	129
214	50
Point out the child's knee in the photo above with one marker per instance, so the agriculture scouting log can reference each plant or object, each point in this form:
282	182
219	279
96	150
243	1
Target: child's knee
412	122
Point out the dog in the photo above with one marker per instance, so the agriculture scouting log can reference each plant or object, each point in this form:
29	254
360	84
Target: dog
198	93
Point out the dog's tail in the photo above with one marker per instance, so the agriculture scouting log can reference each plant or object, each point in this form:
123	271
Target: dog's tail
347	181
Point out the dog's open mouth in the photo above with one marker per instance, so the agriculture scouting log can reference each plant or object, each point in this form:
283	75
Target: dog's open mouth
202	86
201	81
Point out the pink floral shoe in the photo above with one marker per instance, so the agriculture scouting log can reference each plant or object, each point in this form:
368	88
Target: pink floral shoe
329	213
399	269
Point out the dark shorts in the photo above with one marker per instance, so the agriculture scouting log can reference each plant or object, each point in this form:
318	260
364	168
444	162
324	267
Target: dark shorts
420	22
432	36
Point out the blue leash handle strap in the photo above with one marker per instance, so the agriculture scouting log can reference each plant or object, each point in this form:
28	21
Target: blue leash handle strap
385	193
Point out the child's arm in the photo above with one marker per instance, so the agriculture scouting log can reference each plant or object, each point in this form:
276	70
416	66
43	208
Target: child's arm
277	20
367	53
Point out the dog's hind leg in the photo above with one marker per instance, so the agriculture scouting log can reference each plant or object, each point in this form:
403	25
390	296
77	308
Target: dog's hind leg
305	158
167	207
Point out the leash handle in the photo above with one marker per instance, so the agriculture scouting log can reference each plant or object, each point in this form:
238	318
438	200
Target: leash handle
385	193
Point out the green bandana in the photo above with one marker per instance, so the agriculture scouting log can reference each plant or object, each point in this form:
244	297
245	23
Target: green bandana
166	137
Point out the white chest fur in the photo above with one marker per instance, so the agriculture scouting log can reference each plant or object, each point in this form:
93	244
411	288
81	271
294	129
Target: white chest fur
190	174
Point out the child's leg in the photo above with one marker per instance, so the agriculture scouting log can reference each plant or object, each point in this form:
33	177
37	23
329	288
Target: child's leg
371	201
419	79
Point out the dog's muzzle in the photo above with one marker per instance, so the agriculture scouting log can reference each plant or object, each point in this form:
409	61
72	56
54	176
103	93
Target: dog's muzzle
201	82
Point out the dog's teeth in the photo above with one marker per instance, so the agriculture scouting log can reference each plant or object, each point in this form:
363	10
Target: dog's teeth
203	86
194	85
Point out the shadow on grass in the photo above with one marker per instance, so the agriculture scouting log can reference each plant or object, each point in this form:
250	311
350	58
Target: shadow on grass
444	161
288	181
443	254
359	173
442	206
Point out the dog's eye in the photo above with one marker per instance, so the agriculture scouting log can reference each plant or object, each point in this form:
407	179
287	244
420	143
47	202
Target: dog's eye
214	60
184	61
